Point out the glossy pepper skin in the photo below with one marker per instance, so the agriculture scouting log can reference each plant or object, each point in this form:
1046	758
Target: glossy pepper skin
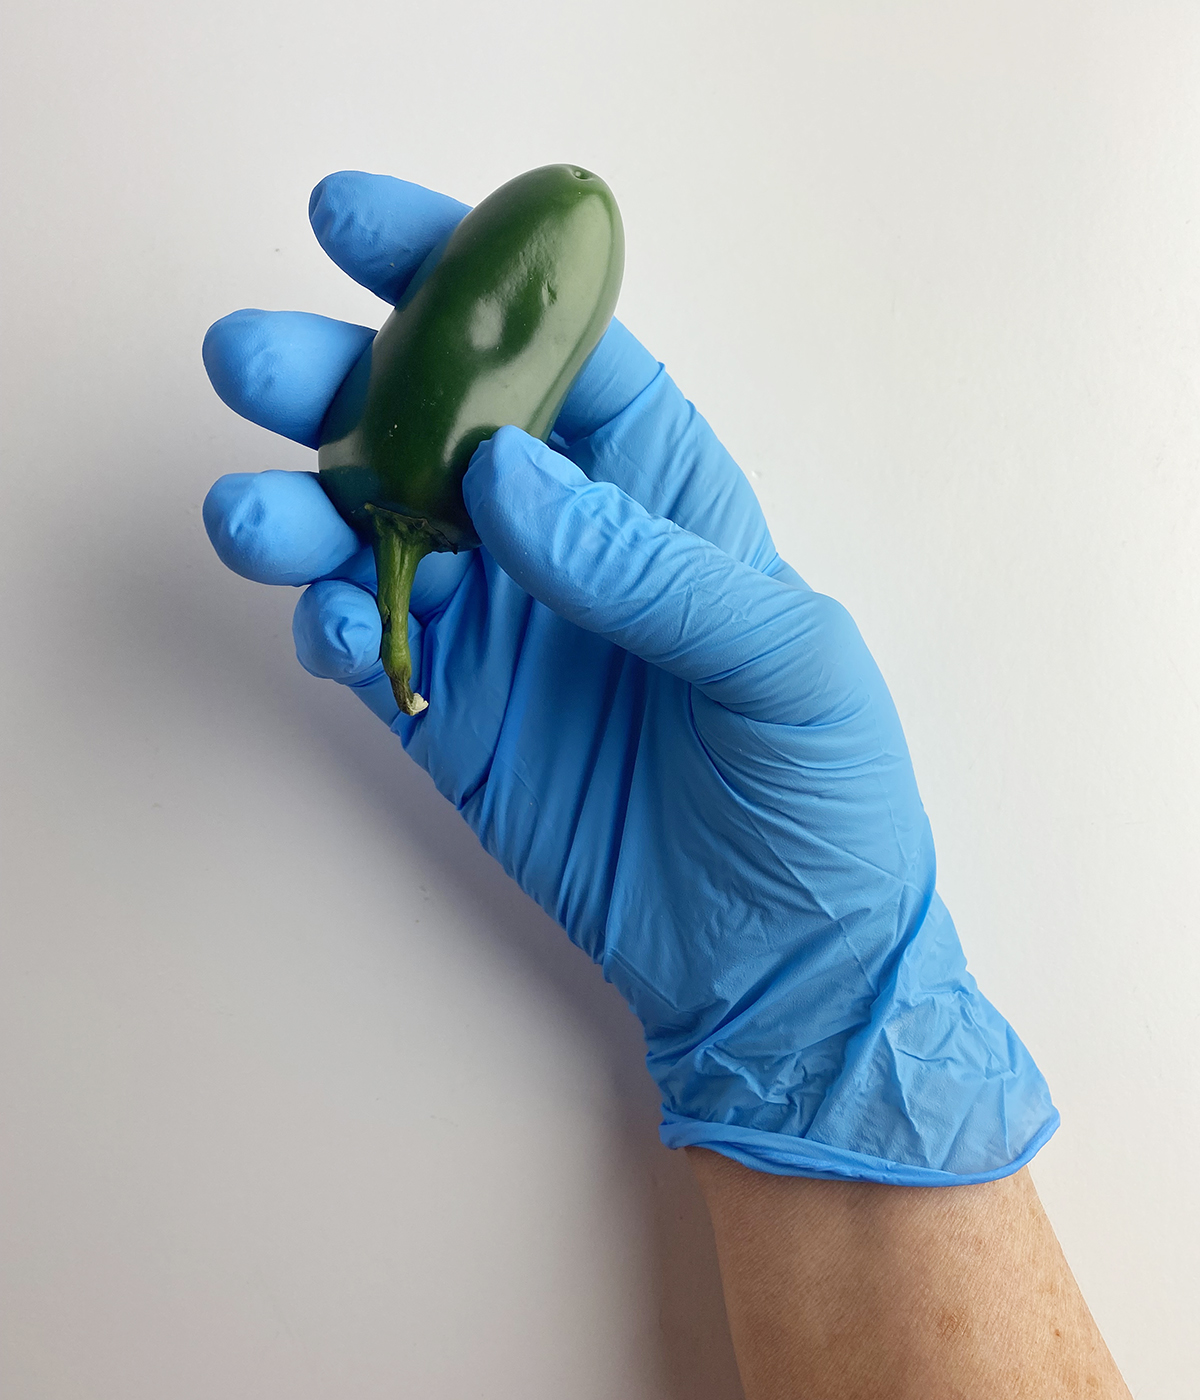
493	330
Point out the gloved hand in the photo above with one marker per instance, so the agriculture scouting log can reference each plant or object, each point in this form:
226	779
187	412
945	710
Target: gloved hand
681	751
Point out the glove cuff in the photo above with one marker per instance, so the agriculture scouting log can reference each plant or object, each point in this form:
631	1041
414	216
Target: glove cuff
780	1155
932	1087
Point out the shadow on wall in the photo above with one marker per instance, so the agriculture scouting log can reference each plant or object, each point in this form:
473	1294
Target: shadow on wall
166	615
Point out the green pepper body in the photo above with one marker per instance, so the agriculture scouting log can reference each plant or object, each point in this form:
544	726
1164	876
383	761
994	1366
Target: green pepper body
491	331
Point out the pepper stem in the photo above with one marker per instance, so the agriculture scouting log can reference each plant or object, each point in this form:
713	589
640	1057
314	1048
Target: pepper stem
400	545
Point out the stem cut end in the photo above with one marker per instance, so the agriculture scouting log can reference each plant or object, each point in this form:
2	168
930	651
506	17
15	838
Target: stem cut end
400	545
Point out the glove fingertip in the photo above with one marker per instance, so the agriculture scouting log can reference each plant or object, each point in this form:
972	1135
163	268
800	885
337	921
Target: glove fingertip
280	369
378	228
276	527
508	474
224	353
336	630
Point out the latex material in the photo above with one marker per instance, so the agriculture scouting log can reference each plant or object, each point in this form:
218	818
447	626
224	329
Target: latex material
688	758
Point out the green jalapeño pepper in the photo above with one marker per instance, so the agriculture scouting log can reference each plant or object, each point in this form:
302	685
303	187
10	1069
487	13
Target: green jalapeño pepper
492	330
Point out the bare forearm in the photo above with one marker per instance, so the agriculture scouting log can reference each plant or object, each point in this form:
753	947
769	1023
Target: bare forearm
857	1291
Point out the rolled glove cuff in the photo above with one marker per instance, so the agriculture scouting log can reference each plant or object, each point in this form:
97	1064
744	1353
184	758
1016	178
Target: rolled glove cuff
781	1155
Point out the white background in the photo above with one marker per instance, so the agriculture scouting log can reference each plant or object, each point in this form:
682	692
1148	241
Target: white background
298	1097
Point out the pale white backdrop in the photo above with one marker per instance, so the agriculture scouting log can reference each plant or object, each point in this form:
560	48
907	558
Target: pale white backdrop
298	1097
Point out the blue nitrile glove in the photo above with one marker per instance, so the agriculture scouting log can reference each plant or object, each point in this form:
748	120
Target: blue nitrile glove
682	752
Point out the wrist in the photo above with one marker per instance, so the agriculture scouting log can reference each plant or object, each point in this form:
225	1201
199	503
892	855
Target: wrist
847	1289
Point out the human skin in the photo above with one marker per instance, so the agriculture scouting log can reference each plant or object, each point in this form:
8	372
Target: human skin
847	1290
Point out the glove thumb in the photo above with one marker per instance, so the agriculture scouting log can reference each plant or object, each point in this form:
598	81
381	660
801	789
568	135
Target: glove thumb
763	647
